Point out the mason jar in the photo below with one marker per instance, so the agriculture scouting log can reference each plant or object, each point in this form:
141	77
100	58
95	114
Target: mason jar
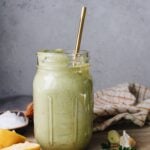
63	100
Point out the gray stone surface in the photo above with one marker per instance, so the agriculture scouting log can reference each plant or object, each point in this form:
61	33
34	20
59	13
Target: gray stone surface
117	34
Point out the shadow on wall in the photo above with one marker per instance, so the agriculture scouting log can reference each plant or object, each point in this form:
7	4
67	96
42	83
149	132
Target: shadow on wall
15	103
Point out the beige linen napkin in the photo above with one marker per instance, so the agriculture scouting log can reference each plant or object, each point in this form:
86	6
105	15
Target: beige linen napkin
125	101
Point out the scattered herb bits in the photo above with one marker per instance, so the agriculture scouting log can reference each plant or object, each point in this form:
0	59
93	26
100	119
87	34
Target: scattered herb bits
105	146
117	142
126	148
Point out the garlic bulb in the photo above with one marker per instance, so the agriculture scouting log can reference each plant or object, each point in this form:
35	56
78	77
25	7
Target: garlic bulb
126	140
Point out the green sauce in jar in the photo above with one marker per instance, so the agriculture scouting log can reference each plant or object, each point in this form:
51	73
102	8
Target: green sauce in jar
63	101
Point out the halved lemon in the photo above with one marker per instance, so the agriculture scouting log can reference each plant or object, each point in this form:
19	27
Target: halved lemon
113	137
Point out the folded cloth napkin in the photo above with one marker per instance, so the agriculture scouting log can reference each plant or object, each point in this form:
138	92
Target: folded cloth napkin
125	101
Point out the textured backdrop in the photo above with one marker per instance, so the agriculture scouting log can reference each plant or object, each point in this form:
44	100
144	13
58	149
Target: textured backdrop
117	34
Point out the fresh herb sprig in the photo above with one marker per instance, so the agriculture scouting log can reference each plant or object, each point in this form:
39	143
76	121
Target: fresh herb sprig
107	146
126	148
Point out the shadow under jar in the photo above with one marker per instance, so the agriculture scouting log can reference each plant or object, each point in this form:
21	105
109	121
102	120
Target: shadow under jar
63	100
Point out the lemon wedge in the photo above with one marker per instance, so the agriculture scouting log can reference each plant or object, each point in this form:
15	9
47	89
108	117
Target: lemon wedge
23	146
7	138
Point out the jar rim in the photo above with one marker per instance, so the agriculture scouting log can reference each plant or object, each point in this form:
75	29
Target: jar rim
61	51
62	57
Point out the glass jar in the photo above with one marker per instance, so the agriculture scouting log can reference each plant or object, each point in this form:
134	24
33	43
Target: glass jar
63	100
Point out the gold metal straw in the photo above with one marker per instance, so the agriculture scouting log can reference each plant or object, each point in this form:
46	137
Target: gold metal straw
80	30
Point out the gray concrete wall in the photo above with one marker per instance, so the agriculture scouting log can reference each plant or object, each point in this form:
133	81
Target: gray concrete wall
117	34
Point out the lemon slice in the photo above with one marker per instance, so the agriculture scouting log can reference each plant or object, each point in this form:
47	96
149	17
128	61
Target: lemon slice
113	137
8	138
23	146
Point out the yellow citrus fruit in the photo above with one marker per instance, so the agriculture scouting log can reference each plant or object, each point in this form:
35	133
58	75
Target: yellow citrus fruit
113	137
23	146
7	138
